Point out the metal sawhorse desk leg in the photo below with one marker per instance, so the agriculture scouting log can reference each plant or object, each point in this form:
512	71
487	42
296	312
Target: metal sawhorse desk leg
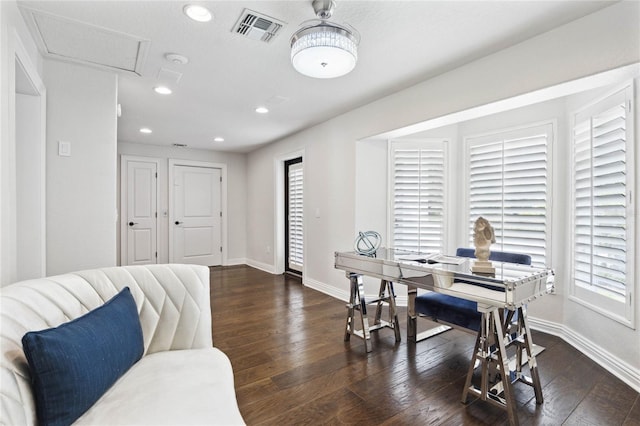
490	352
357	302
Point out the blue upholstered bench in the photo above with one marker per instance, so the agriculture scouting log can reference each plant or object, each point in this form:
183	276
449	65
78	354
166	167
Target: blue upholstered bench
490	354
459	312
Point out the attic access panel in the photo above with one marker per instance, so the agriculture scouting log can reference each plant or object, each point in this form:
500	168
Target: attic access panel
79	42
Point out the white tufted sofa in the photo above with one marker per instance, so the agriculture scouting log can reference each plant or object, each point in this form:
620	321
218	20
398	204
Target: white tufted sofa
181	379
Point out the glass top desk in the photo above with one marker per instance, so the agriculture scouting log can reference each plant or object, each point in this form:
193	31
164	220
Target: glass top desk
512	286
508	290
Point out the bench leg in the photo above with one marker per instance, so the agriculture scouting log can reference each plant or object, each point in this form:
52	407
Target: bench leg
412	320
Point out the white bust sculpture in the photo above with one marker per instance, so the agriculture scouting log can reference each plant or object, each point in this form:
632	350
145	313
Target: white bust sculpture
483	237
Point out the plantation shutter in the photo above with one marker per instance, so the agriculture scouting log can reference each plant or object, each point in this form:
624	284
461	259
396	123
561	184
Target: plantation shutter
418	196
508	185
296	247
600	204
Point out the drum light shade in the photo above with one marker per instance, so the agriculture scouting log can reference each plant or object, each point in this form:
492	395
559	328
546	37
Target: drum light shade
325	50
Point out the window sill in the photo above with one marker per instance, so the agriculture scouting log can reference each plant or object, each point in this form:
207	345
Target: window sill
607	312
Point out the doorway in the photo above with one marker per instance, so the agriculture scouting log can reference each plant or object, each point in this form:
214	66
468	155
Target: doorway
294	217
139	201
27	134
196	213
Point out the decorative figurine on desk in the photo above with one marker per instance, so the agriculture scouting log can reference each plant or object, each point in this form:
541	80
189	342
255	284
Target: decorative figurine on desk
483	236
367	243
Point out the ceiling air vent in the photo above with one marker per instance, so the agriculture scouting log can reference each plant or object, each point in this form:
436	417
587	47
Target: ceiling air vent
257	26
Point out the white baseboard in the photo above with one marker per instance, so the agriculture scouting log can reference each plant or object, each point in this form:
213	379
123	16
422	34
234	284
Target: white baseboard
234	262
330	290
262	266
344	294
614	365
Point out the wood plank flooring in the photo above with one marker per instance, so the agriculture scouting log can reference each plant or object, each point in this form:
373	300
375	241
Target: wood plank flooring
292	367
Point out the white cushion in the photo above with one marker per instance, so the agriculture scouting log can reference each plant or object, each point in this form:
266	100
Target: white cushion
190	387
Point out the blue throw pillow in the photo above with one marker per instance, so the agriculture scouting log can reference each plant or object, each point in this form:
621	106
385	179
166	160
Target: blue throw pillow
74	364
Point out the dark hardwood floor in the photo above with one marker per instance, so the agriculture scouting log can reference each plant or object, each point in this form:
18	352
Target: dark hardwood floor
292	367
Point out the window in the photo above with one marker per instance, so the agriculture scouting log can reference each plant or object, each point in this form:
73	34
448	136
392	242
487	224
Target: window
294	191
418	195
602	266
509	184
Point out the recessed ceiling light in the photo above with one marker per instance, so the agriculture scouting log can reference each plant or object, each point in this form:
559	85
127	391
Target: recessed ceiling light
197	13
218	139
163	90
262	110
145	130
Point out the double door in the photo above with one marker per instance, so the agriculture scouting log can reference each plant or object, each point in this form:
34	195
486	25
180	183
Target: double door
189	231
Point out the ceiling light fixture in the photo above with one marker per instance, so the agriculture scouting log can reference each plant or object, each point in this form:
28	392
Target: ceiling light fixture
197	13
145	130
162	90
262	110
218	139
323	49
177	59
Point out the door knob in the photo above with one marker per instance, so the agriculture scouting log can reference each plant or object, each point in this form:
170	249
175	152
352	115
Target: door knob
178	222
133	223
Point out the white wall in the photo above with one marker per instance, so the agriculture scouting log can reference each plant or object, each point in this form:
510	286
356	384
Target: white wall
579	49
584	47
236	193
13	30
81	189
329	189
372	188
30	230
4	260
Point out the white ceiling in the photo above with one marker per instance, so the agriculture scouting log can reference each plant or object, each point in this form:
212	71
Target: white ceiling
228	76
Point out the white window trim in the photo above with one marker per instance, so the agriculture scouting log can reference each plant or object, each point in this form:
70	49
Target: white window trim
550	178
599	303
447	161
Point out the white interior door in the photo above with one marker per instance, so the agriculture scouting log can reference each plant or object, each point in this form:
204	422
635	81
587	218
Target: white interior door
196	215
141	217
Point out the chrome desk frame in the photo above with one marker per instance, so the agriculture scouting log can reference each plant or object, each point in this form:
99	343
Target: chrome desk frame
498	298
358	302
